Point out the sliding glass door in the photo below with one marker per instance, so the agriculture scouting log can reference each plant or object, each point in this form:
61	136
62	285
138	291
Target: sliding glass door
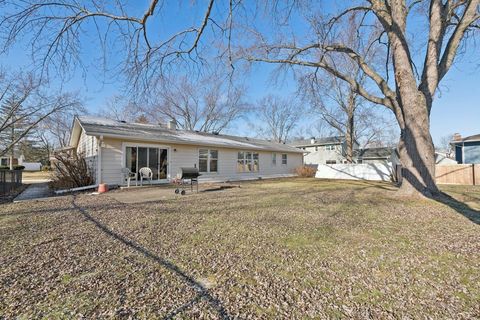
154	158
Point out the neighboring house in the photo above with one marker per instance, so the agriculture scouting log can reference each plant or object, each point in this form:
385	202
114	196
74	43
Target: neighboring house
332	150
109	146
377	155
467	150
5	160
329	150
20	160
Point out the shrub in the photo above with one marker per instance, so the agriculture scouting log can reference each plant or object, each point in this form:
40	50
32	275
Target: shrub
70	171
305	171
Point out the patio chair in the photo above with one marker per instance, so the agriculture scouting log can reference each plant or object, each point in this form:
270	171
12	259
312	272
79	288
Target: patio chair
128	175
145	173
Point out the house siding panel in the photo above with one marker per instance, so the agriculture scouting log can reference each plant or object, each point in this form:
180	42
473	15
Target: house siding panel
87	147
187	156
471	152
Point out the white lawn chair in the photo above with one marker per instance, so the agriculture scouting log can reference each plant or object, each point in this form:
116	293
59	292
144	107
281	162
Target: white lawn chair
145	173
128	175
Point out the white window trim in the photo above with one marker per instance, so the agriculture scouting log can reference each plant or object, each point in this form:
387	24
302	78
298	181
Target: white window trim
148	145
208	161
246	163
274	158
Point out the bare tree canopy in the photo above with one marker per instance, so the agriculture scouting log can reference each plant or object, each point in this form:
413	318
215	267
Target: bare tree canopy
59	30
277	117
400	86
24	105
122	109
55	129
209	104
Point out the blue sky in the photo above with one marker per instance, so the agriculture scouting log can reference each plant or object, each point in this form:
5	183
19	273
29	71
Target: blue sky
456	109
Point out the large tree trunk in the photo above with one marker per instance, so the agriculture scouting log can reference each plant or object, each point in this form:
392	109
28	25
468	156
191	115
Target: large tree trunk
416	150
349	139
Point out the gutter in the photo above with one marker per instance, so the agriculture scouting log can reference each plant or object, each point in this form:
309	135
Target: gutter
294	150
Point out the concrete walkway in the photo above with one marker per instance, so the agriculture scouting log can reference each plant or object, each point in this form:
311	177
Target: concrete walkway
34	191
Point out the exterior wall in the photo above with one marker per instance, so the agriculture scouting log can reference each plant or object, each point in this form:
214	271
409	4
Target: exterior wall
88	147
321	155
113	160
471	152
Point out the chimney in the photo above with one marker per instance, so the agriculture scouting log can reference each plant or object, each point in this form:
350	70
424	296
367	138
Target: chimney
312	140
172	124
457	137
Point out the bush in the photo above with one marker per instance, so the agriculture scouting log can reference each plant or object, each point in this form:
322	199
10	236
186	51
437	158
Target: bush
15	167
70	172
46	168
305	171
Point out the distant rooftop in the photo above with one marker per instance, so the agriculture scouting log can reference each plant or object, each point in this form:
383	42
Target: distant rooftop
374	153
159	133
317	141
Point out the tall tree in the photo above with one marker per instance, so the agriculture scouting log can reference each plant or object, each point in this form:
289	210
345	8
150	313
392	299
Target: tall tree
24	105
122	109
408	95
209	104
277	117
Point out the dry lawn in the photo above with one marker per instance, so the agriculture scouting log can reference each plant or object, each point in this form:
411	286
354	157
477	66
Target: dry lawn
292	249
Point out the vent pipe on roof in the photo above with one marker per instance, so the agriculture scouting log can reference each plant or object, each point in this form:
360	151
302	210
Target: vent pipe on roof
312	140
172	124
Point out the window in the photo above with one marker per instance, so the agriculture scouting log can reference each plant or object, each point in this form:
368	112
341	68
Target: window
316	148
248	161
274	159
207	160
330	147
331	162
284	158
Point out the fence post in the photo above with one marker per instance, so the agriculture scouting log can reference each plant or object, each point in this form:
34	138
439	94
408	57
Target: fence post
473	173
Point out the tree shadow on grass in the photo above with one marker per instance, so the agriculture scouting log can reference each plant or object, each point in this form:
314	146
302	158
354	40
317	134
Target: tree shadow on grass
202	291
460	207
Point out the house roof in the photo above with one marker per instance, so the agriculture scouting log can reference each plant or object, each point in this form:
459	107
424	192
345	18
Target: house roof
96	126
318	141
475	137
374	153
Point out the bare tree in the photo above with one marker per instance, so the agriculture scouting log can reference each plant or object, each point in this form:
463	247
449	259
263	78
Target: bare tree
445	144
341	108
209	104
277	117
122	109
57	30
408	95
56	127
24	106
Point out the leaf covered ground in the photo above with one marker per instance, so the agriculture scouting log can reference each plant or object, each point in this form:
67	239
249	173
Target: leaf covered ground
291	248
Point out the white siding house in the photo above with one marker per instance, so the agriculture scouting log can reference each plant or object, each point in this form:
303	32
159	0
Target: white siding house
108	146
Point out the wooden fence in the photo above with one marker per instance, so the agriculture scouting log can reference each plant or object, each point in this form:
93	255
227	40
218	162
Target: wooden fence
466	174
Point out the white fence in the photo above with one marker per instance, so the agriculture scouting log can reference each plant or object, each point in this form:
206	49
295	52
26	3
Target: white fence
32	166
365	171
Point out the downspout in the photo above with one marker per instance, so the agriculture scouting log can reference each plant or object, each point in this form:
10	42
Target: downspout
99	160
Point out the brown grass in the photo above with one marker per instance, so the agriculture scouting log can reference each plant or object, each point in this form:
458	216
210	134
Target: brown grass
291	248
